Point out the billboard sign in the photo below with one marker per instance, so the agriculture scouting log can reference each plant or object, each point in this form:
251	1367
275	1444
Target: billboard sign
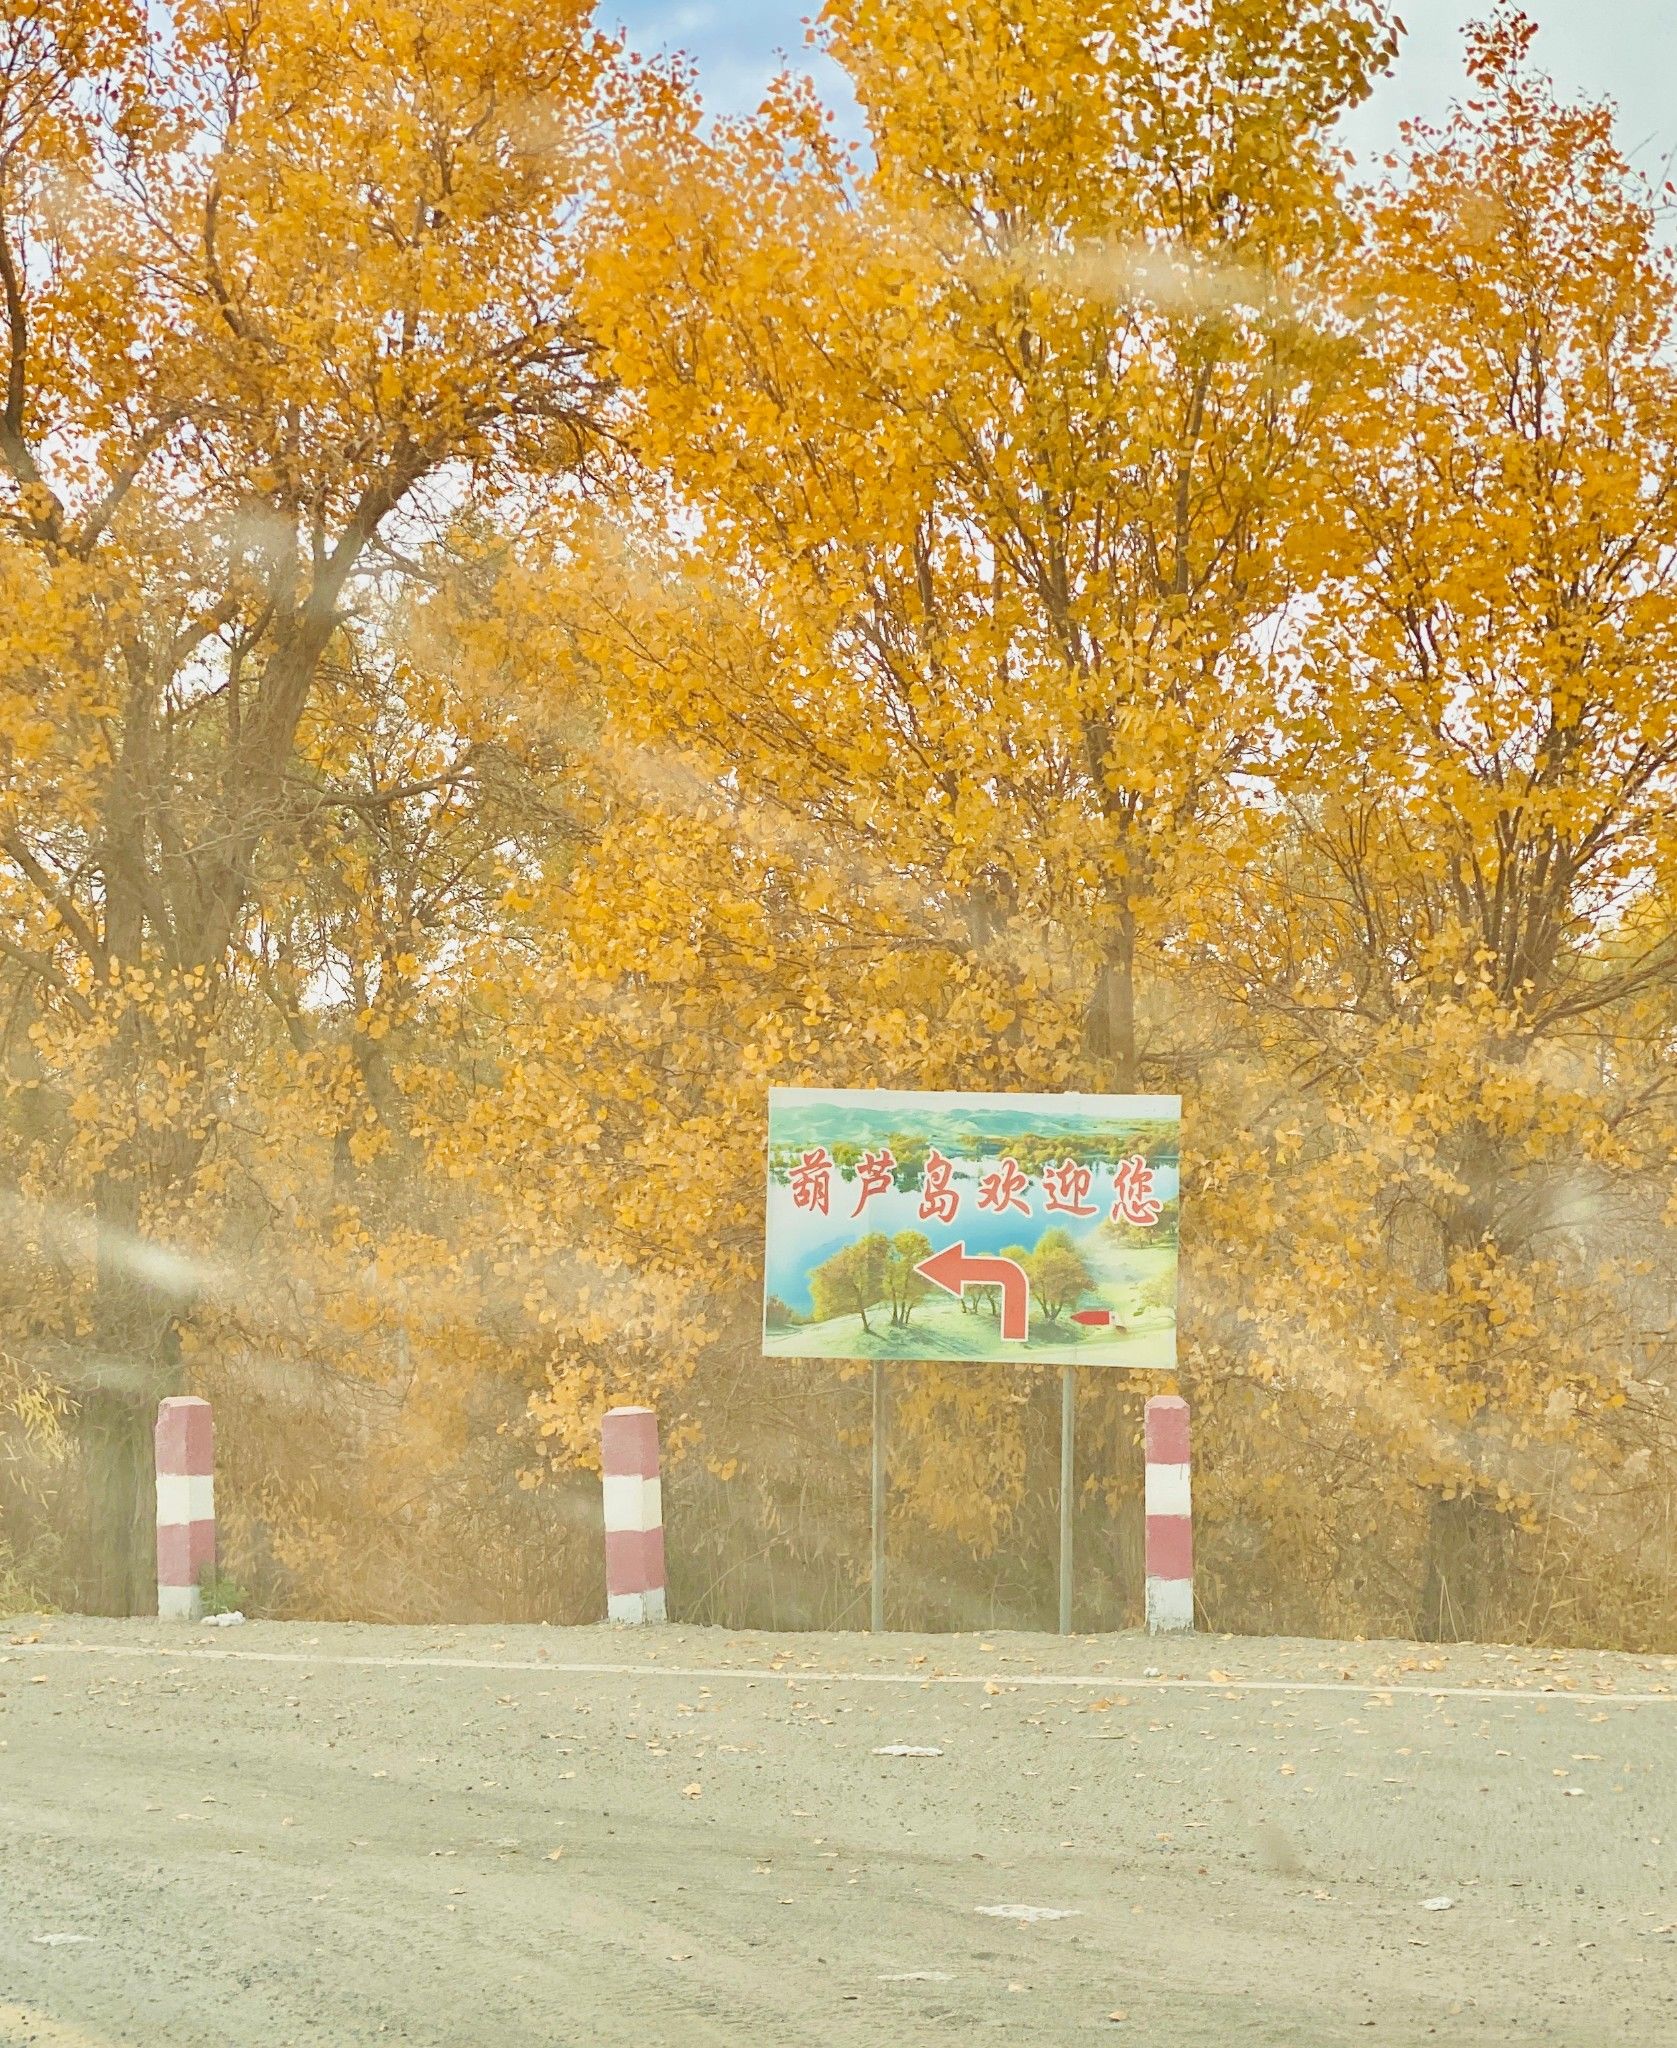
1040	1228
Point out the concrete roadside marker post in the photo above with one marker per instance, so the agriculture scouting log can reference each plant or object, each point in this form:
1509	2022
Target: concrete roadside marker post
634	1502
1170	1525
185	1444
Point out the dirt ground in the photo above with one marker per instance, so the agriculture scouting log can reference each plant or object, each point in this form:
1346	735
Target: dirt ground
294	1833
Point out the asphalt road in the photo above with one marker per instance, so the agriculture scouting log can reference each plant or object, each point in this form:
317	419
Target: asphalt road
305	1833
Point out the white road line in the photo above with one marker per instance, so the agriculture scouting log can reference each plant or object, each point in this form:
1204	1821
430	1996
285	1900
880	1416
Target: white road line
1109	1681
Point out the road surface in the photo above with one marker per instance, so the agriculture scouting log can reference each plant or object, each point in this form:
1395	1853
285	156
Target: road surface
475	1838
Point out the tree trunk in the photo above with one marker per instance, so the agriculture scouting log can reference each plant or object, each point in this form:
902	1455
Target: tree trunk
135	1364
1109	1029
1468	1572
121	1572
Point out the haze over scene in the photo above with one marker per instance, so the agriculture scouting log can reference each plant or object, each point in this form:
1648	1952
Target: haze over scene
531	626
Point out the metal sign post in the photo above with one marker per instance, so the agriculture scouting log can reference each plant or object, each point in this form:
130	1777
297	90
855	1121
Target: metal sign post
876	1612
1068	1493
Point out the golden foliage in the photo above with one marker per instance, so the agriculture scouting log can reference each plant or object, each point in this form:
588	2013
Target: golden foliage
530	618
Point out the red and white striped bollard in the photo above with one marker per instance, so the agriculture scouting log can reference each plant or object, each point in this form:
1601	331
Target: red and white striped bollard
634	1502
185	1444
1170	1520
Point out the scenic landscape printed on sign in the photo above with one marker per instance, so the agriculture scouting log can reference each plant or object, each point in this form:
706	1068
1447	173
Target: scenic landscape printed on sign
1079	1194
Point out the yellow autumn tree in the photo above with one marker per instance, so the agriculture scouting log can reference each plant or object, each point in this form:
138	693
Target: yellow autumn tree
933	651
1044	628
1460	928
288	289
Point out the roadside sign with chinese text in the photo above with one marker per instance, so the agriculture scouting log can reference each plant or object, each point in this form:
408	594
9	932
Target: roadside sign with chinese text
910	1225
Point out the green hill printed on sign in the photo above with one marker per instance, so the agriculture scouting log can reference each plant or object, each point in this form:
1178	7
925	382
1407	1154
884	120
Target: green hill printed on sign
983	1227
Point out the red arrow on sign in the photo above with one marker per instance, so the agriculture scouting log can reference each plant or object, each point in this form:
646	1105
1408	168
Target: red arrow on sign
954	1272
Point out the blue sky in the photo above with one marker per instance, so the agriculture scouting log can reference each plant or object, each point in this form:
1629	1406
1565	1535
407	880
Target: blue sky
1626	49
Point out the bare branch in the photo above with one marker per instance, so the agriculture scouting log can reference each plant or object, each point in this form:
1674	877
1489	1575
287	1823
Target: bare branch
69	916
38	965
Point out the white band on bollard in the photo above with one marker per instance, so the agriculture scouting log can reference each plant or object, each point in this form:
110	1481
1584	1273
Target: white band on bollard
634	1505
185	1444
1170	1521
